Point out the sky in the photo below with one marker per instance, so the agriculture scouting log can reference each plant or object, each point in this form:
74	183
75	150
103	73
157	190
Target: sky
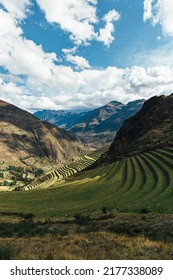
81	54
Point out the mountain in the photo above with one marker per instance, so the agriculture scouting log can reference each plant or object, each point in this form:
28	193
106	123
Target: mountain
150	128
23	138
95	127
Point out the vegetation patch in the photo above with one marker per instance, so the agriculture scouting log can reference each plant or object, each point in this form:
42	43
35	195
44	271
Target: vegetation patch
120	236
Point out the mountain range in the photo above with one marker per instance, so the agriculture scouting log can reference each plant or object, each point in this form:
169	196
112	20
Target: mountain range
96	127
24	139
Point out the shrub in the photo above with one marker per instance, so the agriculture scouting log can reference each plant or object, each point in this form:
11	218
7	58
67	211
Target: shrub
6	252
27	216
144	211
104	210
81	219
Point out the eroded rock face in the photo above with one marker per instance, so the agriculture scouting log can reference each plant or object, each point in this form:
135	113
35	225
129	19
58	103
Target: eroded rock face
23	135
150	128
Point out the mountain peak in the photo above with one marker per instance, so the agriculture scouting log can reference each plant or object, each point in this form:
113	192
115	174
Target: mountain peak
95	127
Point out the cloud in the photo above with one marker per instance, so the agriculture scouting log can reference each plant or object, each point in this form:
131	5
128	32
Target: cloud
158	38
16	8
21	56
9	25
36	80
148	10
79	61
111	16
160	12
155	57
72	50
79	19
89	88
74	16
105	34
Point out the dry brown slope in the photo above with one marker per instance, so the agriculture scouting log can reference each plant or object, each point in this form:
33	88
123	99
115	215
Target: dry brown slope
23	135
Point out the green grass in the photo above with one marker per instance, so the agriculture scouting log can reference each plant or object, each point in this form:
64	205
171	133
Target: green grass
128	185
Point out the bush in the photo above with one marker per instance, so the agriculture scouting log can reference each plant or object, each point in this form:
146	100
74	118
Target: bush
104	210
27	216
6	252
144	211
81	219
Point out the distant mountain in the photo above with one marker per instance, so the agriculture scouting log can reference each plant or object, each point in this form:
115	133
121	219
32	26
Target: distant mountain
150	128
24	137
95	127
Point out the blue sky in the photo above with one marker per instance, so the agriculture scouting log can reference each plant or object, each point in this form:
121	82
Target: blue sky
81	54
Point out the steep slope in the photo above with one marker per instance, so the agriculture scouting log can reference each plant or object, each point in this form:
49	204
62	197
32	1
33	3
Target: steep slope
115	121
23	135
79	121
60	118
95	127
87	128
150	128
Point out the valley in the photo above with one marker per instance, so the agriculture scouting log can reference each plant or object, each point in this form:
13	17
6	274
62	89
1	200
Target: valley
130	184
86	136
94	128
118	196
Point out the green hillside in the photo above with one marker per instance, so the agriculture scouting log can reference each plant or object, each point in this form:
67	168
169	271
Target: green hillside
128	185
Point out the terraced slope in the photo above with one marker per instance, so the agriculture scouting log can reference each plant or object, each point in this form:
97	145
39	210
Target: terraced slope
65	171
127	185
132	183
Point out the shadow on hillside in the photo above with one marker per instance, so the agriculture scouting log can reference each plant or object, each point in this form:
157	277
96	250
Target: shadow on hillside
30	123
154	227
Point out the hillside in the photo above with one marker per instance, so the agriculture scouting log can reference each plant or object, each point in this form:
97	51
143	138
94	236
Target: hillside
95	127
87	212
130	184
23	138
150	128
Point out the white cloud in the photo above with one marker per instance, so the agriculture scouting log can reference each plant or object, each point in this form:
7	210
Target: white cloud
162	55
8	25
46	85
112	16
21	56
89	88
105	34
72	50
79	61
148	82
74	16
17	8
158	38
79	18
9	88
160	11
148	13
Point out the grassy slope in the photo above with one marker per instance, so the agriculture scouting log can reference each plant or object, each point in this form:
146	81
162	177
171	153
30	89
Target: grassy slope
127	185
